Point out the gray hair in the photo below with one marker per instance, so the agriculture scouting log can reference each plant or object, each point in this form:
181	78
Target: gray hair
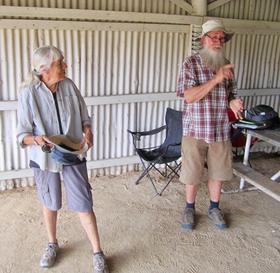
43	57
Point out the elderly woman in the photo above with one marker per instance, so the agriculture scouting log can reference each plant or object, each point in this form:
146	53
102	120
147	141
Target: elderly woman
50	104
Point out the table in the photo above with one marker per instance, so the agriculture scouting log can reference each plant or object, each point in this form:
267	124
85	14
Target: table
265	184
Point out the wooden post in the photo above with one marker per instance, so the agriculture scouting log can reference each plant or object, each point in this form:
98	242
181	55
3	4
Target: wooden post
199	9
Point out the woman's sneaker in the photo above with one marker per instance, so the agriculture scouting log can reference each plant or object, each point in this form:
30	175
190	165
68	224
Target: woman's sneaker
99	263
49	256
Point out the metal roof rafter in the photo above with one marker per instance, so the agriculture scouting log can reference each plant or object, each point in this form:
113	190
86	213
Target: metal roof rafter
183	4
217	4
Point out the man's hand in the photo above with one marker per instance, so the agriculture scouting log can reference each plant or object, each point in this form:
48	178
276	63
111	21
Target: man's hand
196	93
236	105
224	73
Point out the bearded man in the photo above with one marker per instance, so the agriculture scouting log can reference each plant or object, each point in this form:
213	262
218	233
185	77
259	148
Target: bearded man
206	82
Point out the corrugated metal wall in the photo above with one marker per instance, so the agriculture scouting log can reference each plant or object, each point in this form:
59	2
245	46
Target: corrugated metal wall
256	60
266	10
102	63
123	60
255	54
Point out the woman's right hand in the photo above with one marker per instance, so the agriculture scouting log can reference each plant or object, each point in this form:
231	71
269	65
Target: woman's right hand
37	140
44	143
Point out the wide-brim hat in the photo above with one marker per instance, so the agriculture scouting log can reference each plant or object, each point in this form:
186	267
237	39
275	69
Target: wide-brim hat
66	151
215	25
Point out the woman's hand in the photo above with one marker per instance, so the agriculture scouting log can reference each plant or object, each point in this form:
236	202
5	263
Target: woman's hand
41	141
88	137
44	143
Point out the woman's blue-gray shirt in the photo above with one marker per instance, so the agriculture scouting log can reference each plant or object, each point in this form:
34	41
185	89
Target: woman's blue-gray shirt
37	115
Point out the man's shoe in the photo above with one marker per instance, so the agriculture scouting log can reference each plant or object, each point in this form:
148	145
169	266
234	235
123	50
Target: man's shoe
99	263
217	218
188	219
49	256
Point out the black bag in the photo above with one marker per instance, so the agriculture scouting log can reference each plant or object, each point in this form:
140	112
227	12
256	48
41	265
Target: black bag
263	115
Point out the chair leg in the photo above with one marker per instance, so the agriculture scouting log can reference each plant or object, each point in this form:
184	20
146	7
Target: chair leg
154	186
174	172
146	173
159	171
166	185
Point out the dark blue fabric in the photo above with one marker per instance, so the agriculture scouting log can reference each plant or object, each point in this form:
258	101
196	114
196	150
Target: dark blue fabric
190	205
58	114
64	157
213	205
33	164
174	133
263	115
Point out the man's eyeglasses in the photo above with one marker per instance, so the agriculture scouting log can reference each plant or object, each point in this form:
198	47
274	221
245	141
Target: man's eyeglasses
215	39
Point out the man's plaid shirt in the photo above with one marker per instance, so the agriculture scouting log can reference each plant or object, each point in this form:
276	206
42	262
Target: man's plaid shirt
207	118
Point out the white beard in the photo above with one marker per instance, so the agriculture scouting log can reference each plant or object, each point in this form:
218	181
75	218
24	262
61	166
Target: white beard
214	59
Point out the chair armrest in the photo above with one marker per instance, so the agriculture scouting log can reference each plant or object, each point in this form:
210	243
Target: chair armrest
138	135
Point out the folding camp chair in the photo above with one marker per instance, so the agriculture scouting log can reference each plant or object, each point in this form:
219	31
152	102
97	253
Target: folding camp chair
168	153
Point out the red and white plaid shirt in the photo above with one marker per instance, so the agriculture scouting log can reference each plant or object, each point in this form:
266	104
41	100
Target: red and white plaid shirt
207	118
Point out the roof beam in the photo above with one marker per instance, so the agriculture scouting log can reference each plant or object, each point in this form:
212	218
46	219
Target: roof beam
251	26
94	26
75	15
217	3
11	105
183	4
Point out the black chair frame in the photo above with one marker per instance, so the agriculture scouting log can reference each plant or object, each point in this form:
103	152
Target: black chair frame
168	153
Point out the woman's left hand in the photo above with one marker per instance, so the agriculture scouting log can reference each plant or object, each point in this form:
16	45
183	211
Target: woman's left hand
88	137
